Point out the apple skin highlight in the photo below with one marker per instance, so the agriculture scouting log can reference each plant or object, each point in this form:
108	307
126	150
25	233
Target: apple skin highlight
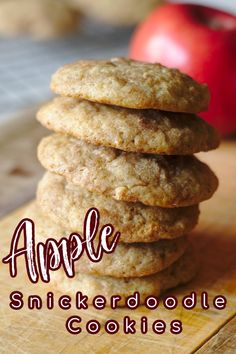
201	42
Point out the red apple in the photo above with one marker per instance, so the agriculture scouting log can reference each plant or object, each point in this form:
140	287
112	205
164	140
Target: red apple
201	42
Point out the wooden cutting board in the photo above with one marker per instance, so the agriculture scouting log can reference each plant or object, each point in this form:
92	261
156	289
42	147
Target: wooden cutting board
209	331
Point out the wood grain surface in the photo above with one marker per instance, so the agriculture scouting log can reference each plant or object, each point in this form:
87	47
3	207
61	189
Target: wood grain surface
208	331
223	342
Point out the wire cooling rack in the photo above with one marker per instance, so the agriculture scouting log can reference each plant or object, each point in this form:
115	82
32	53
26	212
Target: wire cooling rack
26	65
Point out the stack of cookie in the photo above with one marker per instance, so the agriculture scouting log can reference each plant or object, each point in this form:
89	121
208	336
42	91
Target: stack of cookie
125	135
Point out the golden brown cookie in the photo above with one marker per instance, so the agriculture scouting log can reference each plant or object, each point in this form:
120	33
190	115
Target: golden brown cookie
128	260
67	205
40	18
155	180
118	12
147	131
180	272
132	84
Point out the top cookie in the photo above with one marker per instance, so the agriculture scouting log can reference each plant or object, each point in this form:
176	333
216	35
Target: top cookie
134	130
132	84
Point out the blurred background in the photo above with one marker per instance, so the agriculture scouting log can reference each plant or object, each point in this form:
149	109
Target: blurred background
97	29
39	36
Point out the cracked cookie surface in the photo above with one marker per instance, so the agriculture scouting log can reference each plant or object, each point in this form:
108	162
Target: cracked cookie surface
146	131
155	180
128	260
132	84
180	272
67	204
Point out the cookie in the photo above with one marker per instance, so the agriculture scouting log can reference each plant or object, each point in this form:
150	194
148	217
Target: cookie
116	13
155	180
128	260
42	19
67	205
180	272
146	131
132	84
